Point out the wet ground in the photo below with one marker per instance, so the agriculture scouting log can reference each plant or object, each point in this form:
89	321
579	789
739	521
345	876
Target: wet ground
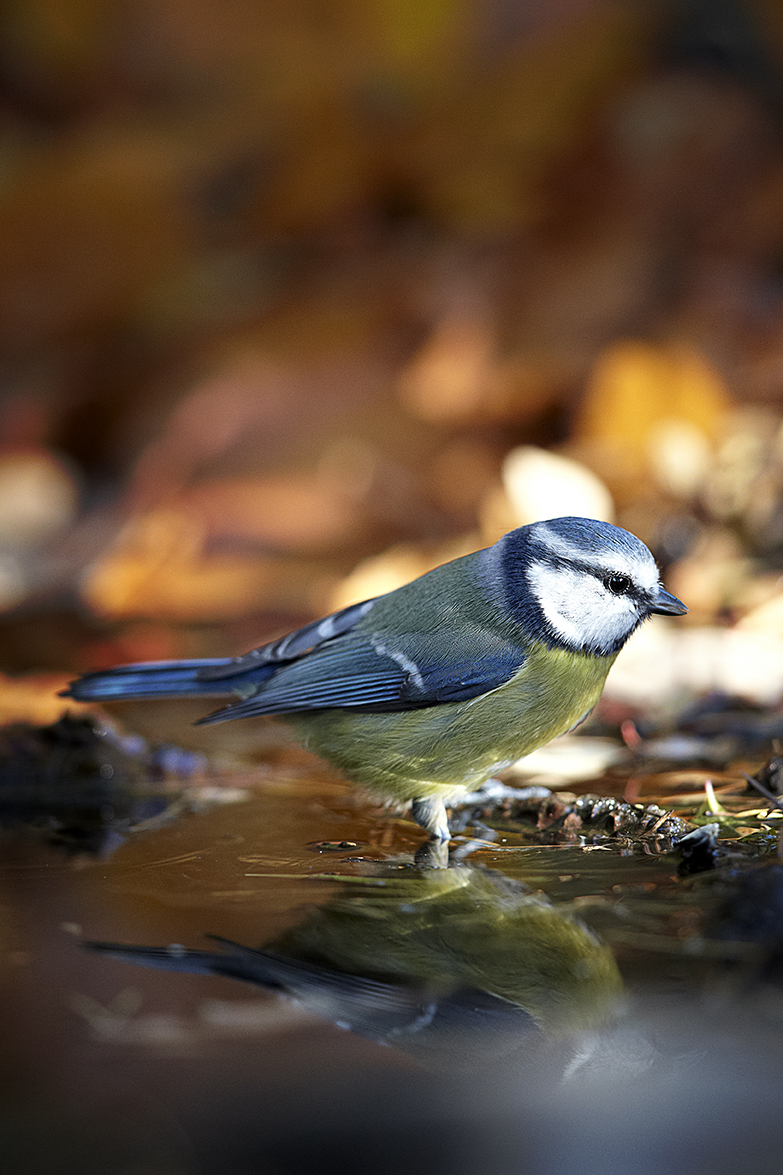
591	1003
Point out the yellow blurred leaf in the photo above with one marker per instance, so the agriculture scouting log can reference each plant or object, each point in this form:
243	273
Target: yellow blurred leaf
158	567
639	398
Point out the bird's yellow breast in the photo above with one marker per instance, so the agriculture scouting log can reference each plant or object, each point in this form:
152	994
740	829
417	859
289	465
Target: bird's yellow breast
454	746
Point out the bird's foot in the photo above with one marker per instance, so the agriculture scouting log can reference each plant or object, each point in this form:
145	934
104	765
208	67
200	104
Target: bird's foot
430	813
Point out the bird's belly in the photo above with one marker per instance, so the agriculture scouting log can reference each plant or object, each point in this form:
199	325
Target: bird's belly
449	747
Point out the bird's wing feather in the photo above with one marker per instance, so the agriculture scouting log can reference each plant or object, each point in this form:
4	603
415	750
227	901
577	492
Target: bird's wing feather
373	672
294	645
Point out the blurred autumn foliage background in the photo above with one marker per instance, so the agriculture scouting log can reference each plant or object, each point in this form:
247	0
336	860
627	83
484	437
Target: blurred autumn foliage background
300	299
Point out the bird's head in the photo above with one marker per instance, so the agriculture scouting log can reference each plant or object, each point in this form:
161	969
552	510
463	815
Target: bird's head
580	584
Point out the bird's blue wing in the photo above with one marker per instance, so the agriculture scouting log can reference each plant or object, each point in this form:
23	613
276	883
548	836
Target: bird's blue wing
337	662
371	672
213	676
292	646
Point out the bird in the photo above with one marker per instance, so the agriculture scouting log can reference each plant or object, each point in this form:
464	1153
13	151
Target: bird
424	693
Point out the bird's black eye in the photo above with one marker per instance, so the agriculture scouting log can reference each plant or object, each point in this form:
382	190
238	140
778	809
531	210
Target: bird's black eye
618	585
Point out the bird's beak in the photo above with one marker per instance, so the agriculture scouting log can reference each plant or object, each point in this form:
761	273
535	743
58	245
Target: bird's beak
667	604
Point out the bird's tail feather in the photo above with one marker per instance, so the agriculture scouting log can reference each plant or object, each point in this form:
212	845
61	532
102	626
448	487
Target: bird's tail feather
153	679
234	961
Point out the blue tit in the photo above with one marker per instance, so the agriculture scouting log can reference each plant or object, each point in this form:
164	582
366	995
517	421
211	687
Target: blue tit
426	692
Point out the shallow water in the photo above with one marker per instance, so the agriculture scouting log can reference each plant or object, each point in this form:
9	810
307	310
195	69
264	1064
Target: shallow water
588	977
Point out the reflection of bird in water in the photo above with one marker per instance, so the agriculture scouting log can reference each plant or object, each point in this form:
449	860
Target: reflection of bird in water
447	965
427	691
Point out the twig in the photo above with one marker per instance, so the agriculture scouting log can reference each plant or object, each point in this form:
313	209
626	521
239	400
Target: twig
768	795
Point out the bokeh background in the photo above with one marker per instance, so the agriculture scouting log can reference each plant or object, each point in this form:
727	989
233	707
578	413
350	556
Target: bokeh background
300	299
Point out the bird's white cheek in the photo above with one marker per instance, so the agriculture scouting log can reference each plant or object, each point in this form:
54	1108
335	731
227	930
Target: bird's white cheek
554	590
578	608
611	621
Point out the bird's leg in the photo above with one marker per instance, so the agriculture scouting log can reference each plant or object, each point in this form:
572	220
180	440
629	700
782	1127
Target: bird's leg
430	813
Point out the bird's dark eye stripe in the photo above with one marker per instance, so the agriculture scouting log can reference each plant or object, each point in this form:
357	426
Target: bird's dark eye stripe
614	581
